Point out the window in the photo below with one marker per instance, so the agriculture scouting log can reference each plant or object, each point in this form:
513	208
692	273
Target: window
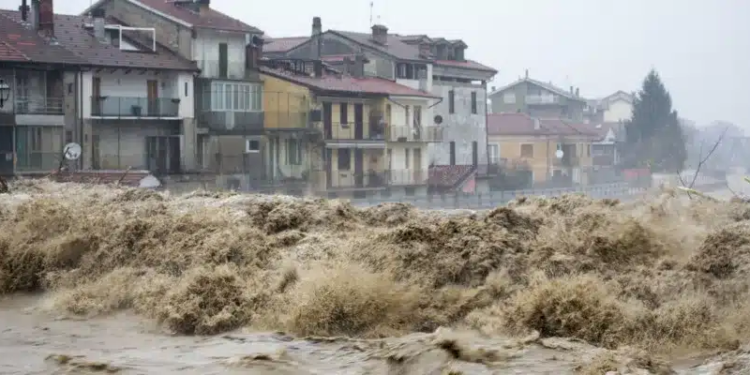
186	89
406	115
252	146
236	97
293	152
474	102
417	115
494	150
453	153
588	150
475	153
344	113
509	98
527	151
451	101
406	159
345	159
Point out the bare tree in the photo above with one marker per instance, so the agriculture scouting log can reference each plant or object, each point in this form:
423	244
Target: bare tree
701	161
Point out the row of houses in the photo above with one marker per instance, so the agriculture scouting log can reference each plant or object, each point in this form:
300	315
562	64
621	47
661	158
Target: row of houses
179	89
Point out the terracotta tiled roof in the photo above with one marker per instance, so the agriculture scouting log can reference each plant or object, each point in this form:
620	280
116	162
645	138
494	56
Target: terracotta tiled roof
76	44
28	45
348	84
449	176
212	20
522	124
468	64
283	44
8	53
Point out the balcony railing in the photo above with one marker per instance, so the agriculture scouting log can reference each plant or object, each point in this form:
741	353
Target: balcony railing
403	133
566	161
543	99
219	69
406	177
287	120
231	122
117	106
39	106
351	180
353	132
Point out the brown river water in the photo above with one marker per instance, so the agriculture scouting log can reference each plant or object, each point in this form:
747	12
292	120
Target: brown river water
107	280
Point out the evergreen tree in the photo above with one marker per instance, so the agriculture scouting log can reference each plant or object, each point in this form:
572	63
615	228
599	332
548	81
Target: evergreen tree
653	135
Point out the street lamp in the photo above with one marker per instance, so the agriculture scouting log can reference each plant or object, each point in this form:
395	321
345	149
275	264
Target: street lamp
4	92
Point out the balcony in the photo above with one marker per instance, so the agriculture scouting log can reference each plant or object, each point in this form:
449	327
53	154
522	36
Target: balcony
566	161
228	122
286	120
407	177
117	106
353	132
403	133
216	69
543	99
350	180
39	106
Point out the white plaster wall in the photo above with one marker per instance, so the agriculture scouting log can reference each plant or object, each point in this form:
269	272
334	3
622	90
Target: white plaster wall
618	111
206	52
462	126
399	121
401	173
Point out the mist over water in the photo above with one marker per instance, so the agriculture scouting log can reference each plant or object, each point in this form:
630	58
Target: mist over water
97	278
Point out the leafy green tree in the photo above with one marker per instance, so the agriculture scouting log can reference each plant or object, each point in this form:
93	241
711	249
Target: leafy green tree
654	136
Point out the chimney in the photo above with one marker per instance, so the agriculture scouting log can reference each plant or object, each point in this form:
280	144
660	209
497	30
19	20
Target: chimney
47	18
578	92
537	124
24	9
380	34
34	15
572	91
318	68
254	52
98	15
203	7
527	74
358	70
317	26
317	30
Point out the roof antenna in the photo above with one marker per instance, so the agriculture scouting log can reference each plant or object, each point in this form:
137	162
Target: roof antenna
371	5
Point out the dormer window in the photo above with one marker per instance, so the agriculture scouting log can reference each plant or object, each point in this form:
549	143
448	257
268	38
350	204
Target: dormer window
458	54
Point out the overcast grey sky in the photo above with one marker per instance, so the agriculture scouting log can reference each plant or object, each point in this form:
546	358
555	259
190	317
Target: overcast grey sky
701	48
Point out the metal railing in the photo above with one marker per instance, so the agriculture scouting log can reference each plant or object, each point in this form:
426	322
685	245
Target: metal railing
353	132
424	133
39	105
566	161
219	69
350	179
117	106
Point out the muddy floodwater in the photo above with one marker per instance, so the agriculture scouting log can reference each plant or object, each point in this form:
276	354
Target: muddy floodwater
103	279
39	343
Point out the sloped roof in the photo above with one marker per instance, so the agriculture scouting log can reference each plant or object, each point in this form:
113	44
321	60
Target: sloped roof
348	84
546	86
521	124
77	45
24	44
276	45
394	46
449	176
213	19
468	64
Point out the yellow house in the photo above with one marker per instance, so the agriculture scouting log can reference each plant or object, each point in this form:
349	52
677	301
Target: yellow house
552	149
344	122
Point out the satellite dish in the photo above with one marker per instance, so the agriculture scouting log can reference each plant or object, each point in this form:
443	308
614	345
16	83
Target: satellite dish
438	119
72	151
559	154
